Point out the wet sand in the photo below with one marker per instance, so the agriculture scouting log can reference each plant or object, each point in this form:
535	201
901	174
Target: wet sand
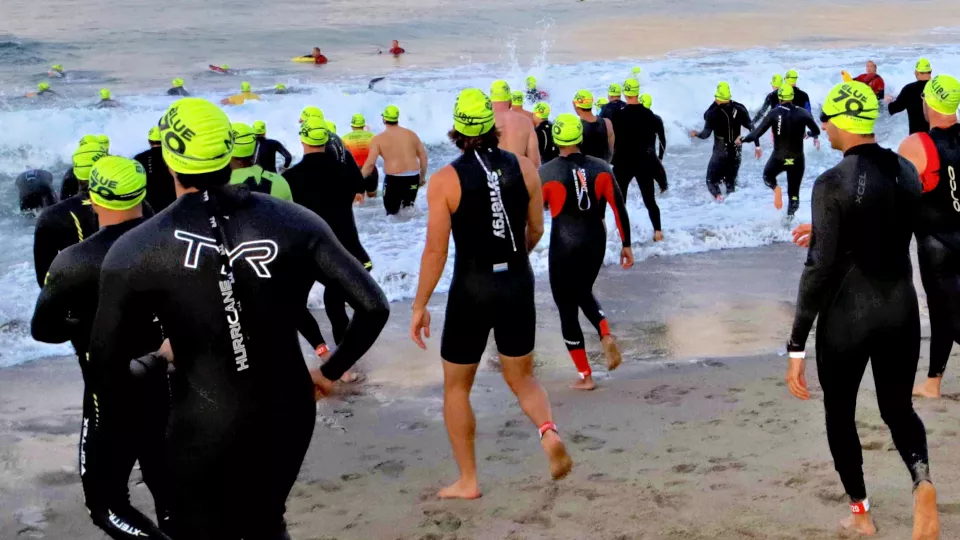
695	437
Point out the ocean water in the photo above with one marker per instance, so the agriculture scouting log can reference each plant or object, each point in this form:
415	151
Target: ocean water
681	84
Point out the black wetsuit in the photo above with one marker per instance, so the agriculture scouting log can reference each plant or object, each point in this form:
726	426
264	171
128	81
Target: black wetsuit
595	142
161	191
859	283
35	188
243	408
178	91
70	185
637	155
770	102
802	100
108	104
492	284
724	121
911	100
578	189
610	110
59	227
938	245
790	125
65	312
266	154
534	95
548	149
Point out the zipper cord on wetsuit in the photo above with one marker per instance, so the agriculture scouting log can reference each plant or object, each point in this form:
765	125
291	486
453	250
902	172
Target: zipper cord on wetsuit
493	180
580	186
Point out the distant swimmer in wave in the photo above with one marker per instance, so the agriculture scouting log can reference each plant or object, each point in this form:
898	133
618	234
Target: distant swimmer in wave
404	162
535	94
771	101
318	57
598	137
396	49
224	69
724	119
239	99
516	104
613	103
544	131
106	100
177	88
280	89
43	91
35	187
516	131
872	79
357	142
911	98
57	71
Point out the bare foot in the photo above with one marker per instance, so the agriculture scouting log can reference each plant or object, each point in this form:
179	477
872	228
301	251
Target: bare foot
560	462
612	351
926	522
777	198
930	388
658	236
461	489
719	198
857	524
351	377
584	384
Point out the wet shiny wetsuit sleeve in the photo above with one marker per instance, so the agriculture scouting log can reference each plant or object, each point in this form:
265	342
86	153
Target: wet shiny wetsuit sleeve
51	236
708	126
770	102
662	137
812	128
761	128
51	322
608	189
287	157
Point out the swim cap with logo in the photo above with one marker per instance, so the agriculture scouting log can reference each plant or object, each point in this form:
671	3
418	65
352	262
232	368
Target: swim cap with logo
177	83
942	94
43	87
786	92
614	90
104	94
117	183
313	131
244	140
244	87
391	114
516	98
776	81
331	126
723	92
473	113
531	83
196	137
583	99
104	141
792	76
154	134
923	66
852	107
310	111
499	91
567	130
631	88
599	103
358	121
84	158
646	100
259	127
89	138
542	110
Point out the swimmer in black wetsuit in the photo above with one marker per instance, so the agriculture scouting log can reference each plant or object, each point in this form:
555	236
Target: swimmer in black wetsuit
614	103
637	154
937	156
65	312
335	145
598	134
800	98
533	93
35	188
859	284
724	119
243	406
790	125
267	150
910	98
544	131
70	220
771	101
490	200
160	190
106	100
578	188
177	88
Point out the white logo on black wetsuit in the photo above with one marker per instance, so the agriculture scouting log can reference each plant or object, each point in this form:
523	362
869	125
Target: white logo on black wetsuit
258	253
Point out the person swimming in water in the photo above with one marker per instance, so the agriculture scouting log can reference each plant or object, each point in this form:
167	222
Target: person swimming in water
396	49
43	91
57	71
246	94
177	88
535	94
35	187
106	100
318	57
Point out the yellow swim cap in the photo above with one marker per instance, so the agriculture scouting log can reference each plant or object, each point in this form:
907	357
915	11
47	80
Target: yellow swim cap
259	127
177	83
542	110
499	91
792	76
599	103
244	87
313	131
647	101
614	90
224	67
244	140
923	66
531	83
785	92
942	94
516	98
635	71
154	134
723	92
852	107
196	136
583	99
280	87
331	126
89	138
117	183
473	112
567	130
57	67
104	94
43	87
391	114
104	141
776	81
84	158
310	112
358	121
631	88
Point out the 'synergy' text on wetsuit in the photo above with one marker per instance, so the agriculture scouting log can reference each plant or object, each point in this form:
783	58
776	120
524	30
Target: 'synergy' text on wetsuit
724	121
637	155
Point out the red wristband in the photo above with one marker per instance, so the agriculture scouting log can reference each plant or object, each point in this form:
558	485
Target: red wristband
861	507
322	349
548	426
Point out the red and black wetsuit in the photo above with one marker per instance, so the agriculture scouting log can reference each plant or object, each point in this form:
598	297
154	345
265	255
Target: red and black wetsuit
874	81
320	59
397	50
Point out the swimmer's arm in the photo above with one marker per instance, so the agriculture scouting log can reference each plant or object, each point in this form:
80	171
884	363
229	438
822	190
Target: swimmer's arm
287	158
535	207
754	136
912	149
812	127
371	162
764	108
422	158
439	214
707	127
46	245
533	149
662	137
611	138
607	186
51	319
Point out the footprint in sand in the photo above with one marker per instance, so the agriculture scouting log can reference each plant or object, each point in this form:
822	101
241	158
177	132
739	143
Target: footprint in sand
412	426
350	477
949	508
684	468
831	497
872	446
587	493
513	434
796	481
617	450
58	478
587	442
393	469
325	486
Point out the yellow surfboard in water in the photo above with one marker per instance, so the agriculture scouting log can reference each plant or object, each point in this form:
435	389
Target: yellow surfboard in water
303	59
240	99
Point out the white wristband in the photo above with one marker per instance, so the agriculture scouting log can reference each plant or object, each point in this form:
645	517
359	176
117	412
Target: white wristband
797	354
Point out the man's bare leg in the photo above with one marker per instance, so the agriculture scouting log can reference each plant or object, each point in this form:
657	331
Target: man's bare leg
461	428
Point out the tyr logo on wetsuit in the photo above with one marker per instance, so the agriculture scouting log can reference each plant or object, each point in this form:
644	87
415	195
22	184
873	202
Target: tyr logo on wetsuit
258	253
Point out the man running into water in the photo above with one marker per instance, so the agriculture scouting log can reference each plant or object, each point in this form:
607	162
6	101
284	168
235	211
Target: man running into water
637	154
533	93
404	162
177	89
253	176
872	189
516	133
800	98
160	190
243	399
70	220
724	119
516	105
65	312
872	79
937	156
614	103
490	200
70	185
35	188
357	143
578	188
544	131
911	98
267	150
598	133
791	125
772	100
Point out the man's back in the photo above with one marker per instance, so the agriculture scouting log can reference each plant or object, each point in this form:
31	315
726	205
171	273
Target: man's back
636	128
398	147
517	135
160	188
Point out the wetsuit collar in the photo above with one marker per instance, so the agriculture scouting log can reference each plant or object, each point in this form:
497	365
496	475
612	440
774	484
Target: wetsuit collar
864	150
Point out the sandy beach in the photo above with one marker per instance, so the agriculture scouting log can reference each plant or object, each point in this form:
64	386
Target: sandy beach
695	437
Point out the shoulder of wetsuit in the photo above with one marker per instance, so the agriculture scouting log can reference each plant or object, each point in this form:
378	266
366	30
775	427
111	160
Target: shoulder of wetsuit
908	176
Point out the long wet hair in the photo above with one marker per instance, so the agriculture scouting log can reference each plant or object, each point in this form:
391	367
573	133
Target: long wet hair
490	139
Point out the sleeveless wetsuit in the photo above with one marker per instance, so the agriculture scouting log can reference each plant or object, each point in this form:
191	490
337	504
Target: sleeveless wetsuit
595	141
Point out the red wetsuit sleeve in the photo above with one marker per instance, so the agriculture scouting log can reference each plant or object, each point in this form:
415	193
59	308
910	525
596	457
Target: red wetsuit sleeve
320	59
609	190
554	195
931	176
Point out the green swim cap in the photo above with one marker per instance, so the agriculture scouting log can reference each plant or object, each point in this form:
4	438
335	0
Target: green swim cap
391	114
542	110
473	112
531	83
583	99
89	138
196	136
792	76
599	103
852	107
117	183
104	142
499	91
309	112
84	158
331	126
177	83
280	86
631	88
785	92
614	90
313	131
516	98
43	87
647	101
567	130
104	94
723	92
259	127
776	81
224	67
358	121
244	140
942	94
154	134
57	68
244	87
636	71
923	66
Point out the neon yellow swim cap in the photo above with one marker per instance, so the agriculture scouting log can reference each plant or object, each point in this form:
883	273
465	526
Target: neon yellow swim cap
635	71
57	67
244	140
923	66
331	126
516	98
244	87
567	130
309	112
723	92
104	94
43	87
942	94
259	127
224	67
792	76
631	88
614	90
358	121
776	81
196	137
313	131
599	103
852	107
647	101
104	142
89	138
84	158
473	112
280	86
542	110
177	83
583	99
154	134
117	183
785	92
531	83
391	114
499	91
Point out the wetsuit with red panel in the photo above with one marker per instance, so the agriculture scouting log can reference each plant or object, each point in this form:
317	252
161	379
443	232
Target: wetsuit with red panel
874	81
319	59
397	50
